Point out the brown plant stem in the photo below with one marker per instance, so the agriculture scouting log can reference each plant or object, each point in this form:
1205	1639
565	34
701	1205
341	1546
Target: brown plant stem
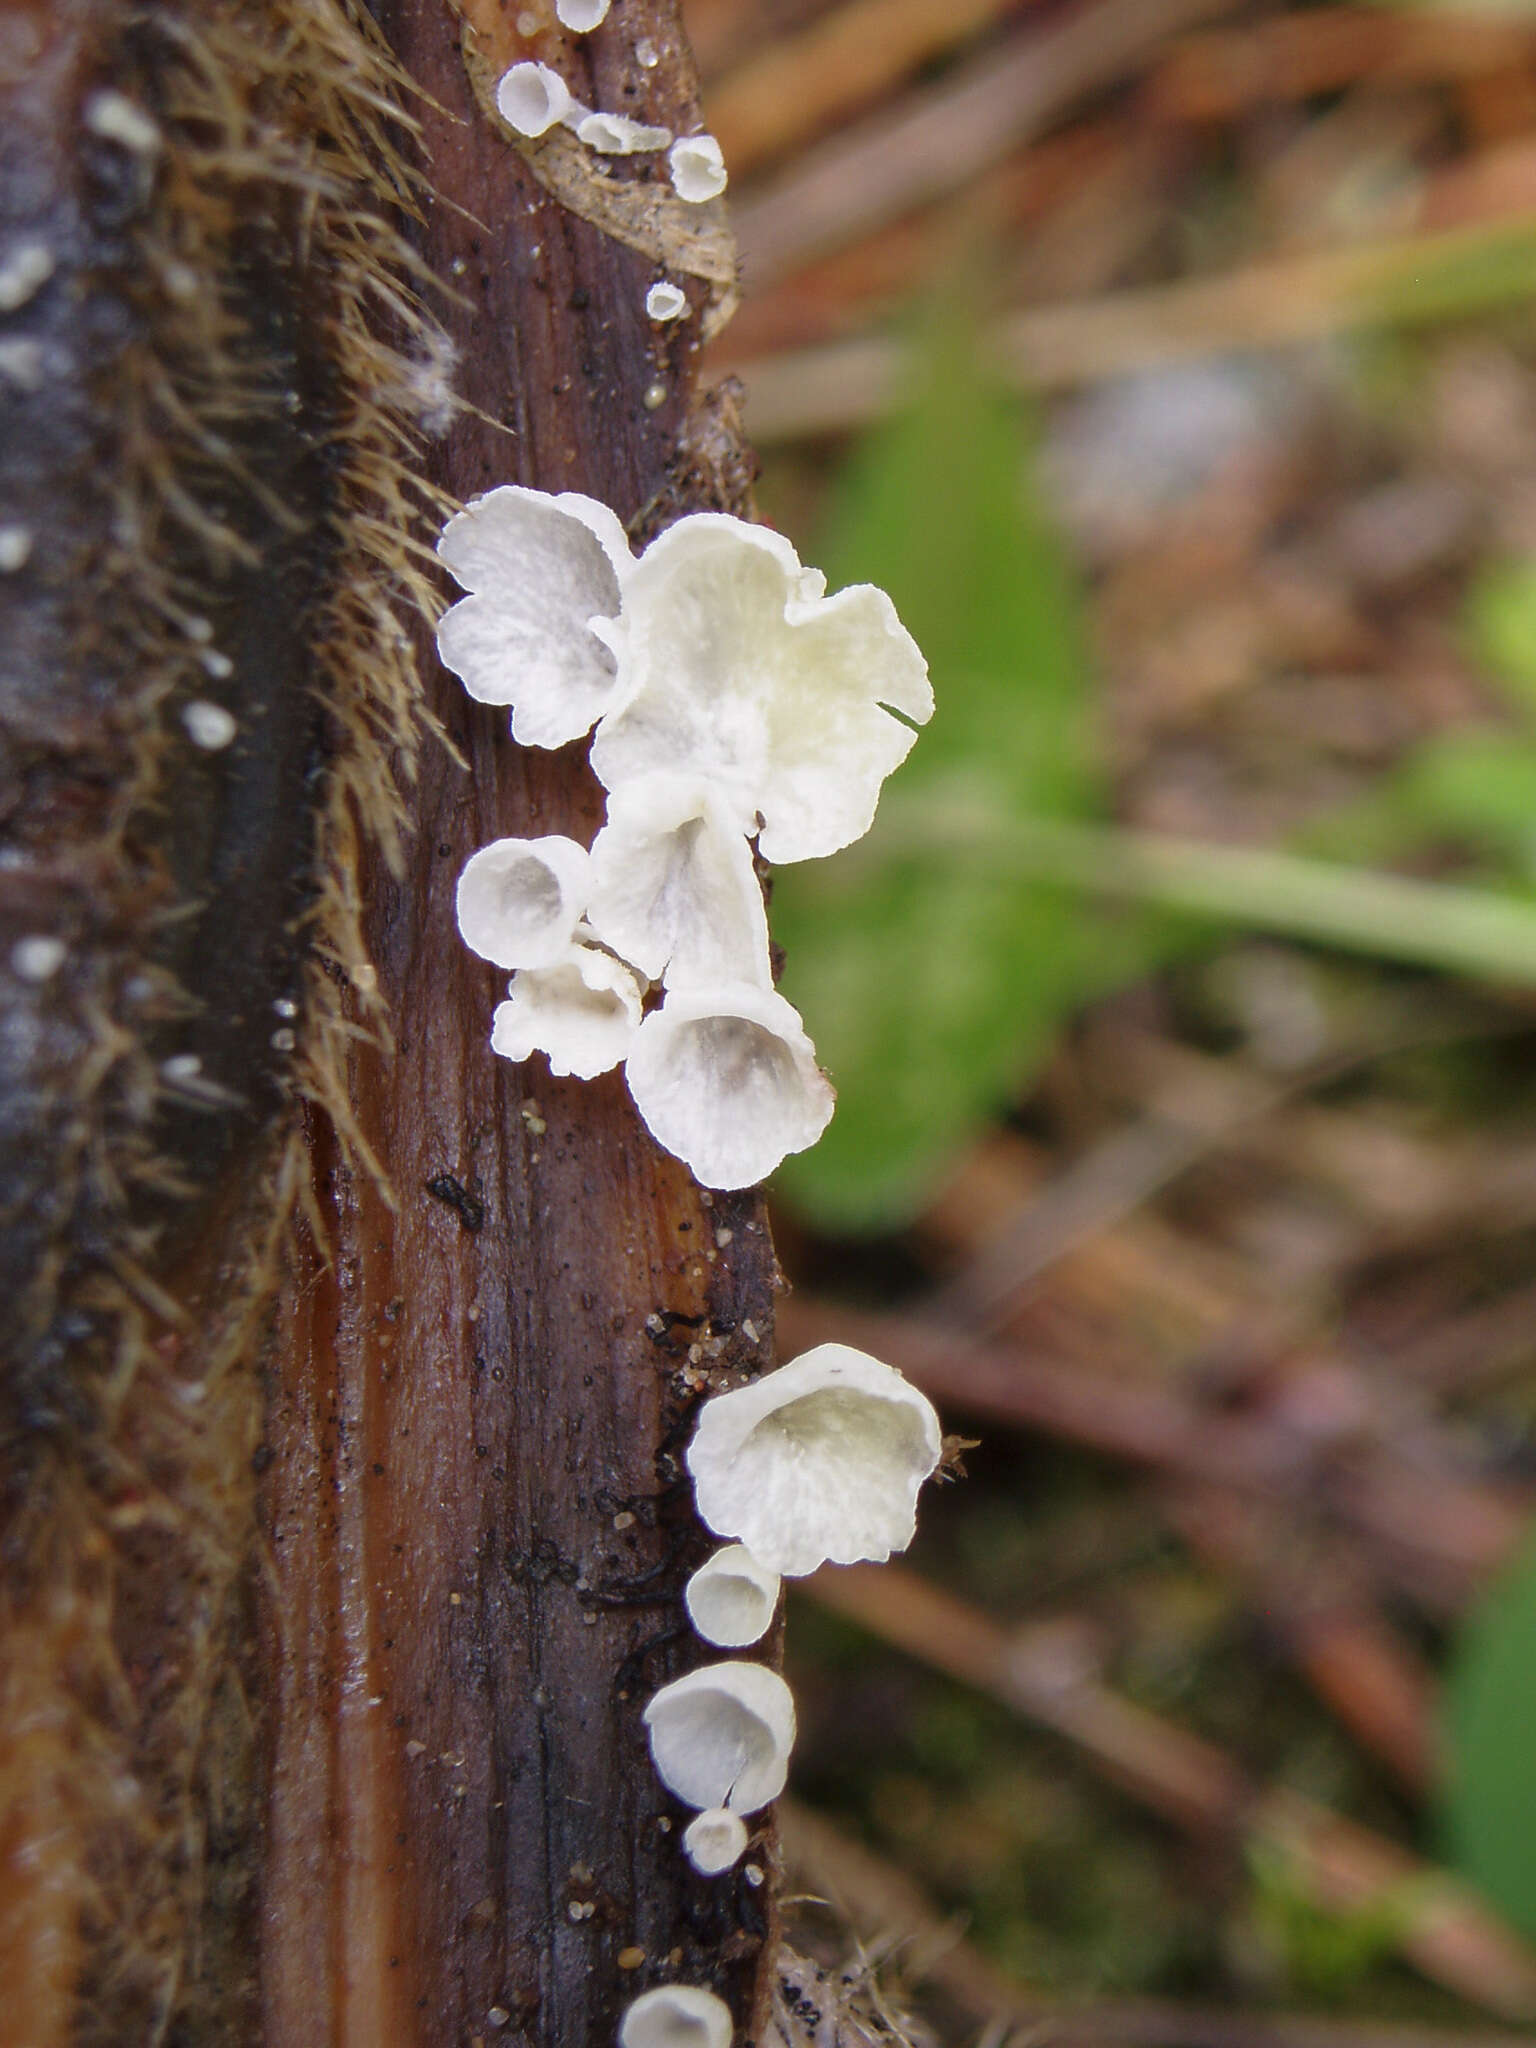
476	1529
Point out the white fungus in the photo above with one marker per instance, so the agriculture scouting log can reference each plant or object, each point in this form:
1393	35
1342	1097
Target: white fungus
581	1011
731	1598
618	135
721	1736
817	1463
15	548
539	569
37	958
673	888
741	670
519	901
24	269
532	98
698	168
676	2016
666	301
727	1081
713	1841
208	726
581	16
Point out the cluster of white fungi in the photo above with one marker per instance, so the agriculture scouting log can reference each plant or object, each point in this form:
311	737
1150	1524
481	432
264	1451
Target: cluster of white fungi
818	1463
533	98
730	700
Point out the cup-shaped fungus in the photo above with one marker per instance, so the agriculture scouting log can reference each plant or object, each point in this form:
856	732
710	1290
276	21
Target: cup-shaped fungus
582	1011
721	1736
581	16
618	135
519	901
713	1841
731	1597
817	1463
698	168
676	2016
532	98
539	569
727	1081
666	300
740	670
673	887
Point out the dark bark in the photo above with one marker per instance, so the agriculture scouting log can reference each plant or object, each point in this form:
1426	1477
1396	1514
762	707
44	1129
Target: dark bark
477	1527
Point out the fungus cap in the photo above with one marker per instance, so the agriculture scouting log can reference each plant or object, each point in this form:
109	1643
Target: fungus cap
676	2016
713	1840
731	1597
581	16
727	1081
721	1736
673	887
618	135
519	901
539	569
666	301
817	1463
698	168
532	98
581	1011
741	670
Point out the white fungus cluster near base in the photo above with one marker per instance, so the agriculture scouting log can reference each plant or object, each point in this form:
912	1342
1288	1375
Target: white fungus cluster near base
729	701
818	1463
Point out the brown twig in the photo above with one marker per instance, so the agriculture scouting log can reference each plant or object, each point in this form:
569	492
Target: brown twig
936	141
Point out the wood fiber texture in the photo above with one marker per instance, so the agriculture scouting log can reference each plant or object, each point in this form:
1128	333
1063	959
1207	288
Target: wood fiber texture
478	1397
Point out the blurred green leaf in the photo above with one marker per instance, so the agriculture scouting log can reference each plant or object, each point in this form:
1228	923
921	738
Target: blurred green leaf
1477	788
931	989
1491	1721
1501	617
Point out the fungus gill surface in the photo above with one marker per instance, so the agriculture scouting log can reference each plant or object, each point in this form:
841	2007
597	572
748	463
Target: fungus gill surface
817	1463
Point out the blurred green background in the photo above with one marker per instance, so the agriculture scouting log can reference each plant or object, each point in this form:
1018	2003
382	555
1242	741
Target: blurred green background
1173	366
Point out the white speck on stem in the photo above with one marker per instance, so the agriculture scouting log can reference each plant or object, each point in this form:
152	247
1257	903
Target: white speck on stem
15	548
116	119
24	270
38	958
209	726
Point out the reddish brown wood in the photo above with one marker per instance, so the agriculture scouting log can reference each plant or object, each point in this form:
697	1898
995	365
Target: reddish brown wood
476	1529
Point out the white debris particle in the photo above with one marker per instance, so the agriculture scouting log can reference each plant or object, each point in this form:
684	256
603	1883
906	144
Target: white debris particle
182	1066
38	958
655	397
219	666
22	364
283	1040
25	269
666	301
209	726
527	23
15	547
116	119
646	54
